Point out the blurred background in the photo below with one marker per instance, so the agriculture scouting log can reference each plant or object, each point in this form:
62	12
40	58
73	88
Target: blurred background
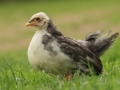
74	18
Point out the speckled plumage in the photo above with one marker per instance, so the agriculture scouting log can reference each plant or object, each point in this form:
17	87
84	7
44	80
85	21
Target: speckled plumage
55	53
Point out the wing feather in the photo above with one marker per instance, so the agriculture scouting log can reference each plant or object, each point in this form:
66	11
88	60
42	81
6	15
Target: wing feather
80	54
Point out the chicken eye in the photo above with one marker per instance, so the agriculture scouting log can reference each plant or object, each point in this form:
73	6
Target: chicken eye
37	19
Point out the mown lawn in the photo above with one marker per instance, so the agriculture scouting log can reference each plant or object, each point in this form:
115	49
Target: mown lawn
74	19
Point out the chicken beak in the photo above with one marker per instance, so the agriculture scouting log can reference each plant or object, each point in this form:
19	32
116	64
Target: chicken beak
30	24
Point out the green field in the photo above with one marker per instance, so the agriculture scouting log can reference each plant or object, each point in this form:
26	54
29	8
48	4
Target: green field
74	19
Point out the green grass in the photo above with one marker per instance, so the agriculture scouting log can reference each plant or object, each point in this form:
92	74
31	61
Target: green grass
74	19
17	73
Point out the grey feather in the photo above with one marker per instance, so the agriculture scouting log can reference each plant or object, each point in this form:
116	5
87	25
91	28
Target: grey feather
47	41
80	54
91	37
86	52
101	43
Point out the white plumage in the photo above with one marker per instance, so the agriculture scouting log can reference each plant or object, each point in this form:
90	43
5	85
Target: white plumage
41	58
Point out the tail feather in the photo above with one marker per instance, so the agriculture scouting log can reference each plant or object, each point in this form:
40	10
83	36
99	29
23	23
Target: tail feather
93	36
103	37
114	36
101	43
